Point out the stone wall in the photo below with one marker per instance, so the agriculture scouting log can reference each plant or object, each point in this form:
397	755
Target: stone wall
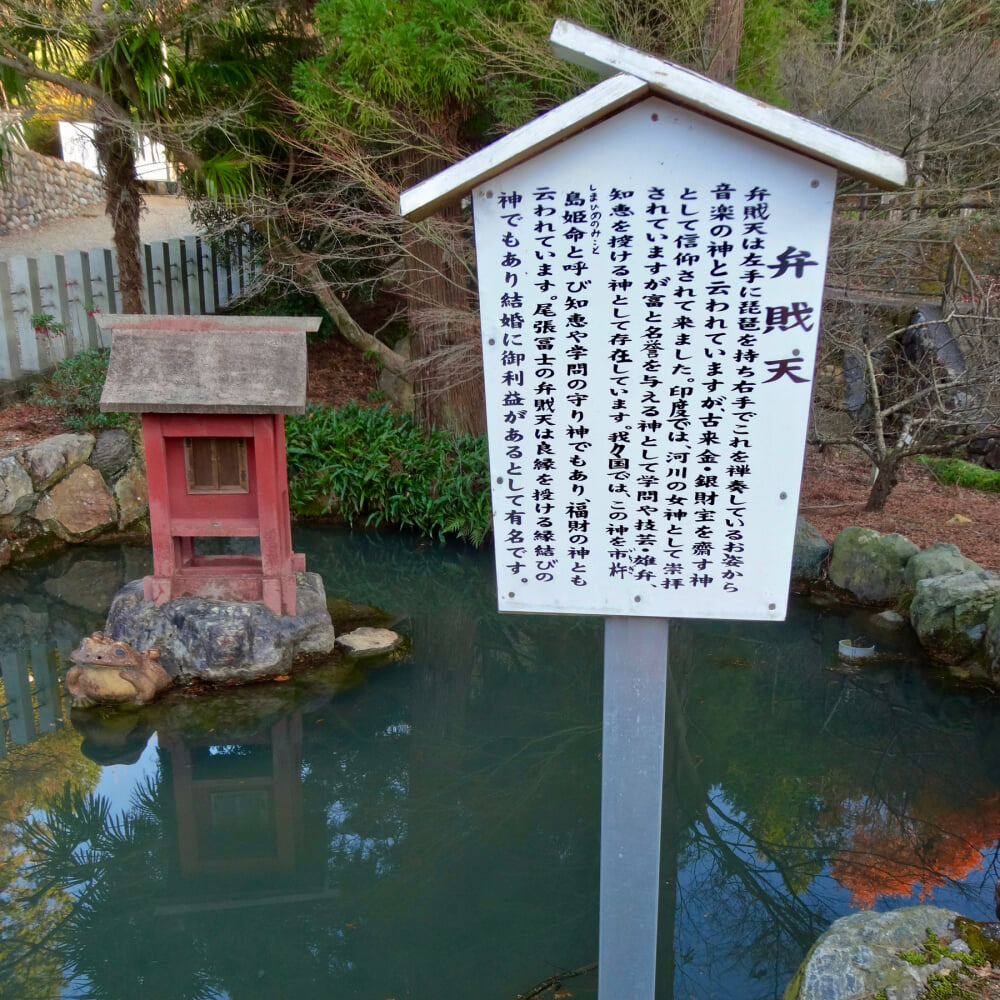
41	188
69	488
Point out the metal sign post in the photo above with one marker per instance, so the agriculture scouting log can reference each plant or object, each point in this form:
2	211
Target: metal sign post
635	690
651	257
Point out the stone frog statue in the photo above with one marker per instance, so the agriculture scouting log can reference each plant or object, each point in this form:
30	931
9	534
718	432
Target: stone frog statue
108	671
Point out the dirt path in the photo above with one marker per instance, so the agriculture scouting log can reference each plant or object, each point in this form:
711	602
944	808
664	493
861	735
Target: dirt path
165	218
835	489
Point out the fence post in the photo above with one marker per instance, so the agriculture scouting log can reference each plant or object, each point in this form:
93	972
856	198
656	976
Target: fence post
173	251
10	351
102	279
55	303
223	280
81	300
47	693
249	256
158	280
191	269
114	276
241	264
24	292
207	266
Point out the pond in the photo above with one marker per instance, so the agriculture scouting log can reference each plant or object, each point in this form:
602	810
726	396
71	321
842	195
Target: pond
428	828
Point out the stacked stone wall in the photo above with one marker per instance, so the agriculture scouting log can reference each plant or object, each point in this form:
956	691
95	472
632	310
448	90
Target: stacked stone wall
40	189
69	488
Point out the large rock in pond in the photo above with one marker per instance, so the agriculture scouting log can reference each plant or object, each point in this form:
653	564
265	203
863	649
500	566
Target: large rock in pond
810	550
859	956
949	613
224	640
869	565
940	559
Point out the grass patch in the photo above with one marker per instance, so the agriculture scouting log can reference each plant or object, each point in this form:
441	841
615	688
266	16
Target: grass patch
378	468
944	985
955	472
74	389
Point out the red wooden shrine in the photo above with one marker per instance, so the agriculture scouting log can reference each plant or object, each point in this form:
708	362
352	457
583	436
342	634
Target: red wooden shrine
213	393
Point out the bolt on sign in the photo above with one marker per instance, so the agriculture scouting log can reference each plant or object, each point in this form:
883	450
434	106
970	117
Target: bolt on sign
650	290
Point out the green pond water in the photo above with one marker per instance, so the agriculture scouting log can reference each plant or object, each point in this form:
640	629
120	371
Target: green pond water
428	828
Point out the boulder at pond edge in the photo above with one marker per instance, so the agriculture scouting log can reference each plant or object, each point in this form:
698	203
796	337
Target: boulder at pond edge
993	644
808	554
859	955
69	489
869	566
949	613
939	559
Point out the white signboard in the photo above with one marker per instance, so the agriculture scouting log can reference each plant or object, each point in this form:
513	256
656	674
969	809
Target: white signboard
650	293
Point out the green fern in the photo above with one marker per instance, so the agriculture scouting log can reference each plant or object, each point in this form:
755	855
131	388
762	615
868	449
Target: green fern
377	468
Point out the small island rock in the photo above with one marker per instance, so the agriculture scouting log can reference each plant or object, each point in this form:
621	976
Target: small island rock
224	640
366	641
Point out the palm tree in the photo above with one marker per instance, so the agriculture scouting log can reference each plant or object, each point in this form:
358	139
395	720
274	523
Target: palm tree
139	67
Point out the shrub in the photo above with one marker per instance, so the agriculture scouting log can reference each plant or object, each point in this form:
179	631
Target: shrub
41	134
74	389
379	467
955	472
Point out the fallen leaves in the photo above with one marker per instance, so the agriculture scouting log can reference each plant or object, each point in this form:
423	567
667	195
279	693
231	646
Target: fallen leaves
985	971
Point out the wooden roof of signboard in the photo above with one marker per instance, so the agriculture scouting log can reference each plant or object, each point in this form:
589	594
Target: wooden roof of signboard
207	364
639	75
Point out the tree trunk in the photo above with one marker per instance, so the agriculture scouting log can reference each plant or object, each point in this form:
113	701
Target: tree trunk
444	330
725	33
841	26
124	206
885	480
123	201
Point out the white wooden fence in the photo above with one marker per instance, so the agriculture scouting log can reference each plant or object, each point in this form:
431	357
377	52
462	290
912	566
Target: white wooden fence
181	277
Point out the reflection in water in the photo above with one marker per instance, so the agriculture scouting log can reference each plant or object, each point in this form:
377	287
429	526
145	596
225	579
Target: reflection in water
430	828
238	805
893	853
